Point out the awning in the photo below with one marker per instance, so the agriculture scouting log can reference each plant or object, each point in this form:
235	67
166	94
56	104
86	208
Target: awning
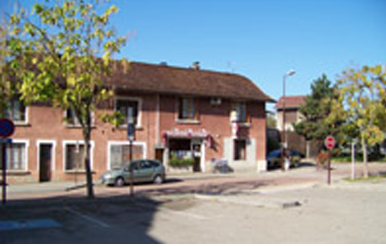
185	134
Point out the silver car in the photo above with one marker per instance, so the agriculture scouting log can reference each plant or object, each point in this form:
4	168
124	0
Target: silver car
143	171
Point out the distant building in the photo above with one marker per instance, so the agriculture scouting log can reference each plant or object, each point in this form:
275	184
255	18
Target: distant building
292	114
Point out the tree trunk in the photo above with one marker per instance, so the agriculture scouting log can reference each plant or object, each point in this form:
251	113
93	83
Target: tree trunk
308	149
90	185
366	168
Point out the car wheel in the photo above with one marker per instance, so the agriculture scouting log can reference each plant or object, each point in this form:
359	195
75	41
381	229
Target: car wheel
119	182
158	179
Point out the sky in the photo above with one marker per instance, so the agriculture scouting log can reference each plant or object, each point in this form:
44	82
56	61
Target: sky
260	40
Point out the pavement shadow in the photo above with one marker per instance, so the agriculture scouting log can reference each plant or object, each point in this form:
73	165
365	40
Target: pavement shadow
207	189
117	219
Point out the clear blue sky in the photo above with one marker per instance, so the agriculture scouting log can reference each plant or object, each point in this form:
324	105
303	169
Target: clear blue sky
261	40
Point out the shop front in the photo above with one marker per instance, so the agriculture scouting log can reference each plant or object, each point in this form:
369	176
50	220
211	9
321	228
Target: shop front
185	150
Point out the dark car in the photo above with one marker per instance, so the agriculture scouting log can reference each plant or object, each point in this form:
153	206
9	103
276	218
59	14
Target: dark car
274	158
143	171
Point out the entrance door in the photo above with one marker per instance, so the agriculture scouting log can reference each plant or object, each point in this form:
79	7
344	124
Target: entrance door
159	155
196	150
45	162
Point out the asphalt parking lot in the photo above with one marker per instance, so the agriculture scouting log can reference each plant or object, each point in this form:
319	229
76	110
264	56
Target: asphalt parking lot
321	214
276	208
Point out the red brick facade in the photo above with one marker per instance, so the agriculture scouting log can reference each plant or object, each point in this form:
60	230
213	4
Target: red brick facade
46	136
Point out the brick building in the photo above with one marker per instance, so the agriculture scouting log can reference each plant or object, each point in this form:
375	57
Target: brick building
179	113
293	115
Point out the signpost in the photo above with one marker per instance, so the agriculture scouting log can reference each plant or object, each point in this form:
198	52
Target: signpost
131	137
329	142
7	128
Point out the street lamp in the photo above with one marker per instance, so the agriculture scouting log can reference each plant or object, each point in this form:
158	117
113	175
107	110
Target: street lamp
283	135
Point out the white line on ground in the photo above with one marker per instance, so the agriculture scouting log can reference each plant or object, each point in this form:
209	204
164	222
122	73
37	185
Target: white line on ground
89	218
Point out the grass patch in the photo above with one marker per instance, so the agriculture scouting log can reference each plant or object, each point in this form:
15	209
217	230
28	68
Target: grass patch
378	177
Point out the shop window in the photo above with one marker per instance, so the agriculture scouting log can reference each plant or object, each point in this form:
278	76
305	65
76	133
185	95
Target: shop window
130	109
16	111
187	109
240	148
16	157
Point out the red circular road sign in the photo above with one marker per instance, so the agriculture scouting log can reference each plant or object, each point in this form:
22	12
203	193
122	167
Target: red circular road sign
7	128
329	142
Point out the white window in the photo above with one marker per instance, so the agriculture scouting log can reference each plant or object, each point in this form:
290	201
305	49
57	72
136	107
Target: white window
130	108
16	155
119	153
72	120
74	155
16	111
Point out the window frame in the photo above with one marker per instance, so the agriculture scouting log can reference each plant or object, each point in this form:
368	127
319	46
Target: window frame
10	108
235	113
26	149
135	143
74	142
192	108
76	123
139	109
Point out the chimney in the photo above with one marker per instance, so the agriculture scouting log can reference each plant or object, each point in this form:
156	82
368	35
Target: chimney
196	65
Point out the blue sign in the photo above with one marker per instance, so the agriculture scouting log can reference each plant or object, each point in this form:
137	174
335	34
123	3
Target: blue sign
131	131
7	128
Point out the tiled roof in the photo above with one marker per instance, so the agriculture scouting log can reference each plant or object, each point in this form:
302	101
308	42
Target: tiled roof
166	79
293	102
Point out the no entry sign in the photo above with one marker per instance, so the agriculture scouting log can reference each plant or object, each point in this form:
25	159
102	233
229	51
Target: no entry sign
7	128
329	142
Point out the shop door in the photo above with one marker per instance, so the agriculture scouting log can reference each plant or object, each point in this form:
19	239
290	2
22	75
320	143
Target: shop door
45	162
196	151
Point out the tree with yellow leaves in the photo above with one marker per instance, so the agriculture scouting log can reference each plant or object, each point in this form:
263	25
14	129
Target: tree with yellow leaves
363	96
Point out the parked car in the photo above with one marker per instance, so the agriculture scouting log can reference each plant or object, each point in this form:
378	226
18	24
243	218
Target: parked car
143	171
274	158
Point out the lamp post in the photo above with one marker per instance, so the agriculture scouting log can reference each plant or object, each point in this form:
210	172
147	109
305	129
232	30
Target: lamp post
283	135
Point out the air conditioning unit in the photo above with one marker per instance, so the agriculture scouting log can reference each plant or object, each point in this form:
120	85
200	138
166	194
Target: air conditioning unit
215	101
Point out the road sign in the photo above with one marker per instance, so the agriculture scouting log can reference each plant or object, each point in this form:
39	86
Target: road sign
131	131
329	142
7	128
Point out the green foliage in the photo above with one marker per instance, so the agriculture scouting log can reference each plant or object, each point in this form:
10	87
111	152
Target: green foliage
64	50
316	109
363	93
178	162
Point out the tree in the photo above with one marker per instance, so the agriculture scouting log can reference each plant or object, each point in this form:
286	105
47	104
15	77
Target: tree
66	54
9	51
315	110
363	92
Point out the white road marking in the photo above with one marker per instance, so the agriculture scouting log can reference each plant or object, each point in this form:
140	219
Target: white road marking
89	218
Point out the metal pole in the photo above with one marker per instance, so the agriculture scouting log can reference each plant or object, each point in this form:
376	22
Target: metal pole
4	169
353	160
329	168
131	167
283	137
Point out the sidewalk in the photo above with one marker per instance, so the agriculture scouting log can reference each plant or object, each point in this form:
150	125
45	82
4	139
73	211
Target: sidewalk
305	176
